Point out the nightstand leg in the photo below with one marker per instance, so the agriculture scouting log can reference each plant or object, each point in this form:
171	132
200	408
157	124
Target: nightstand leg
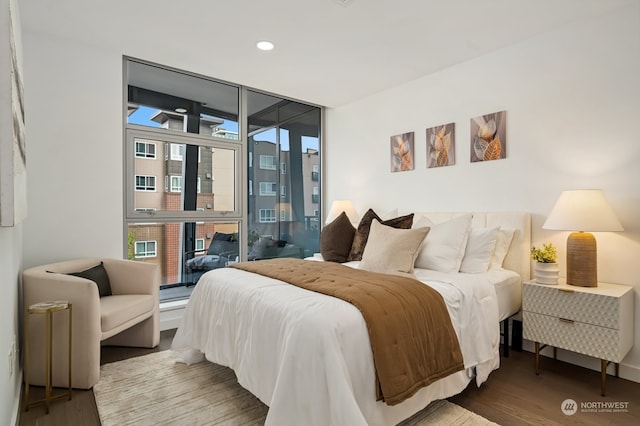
537	358
603	377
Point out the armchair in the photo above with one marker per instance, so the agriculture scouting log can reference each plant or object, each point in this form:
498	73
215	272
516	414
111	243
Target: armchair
129	317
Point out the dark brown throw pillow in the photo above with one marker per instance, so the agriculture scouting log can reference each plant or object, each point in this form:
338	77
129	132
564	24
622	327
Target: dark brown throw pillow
336	239
362	233
97	274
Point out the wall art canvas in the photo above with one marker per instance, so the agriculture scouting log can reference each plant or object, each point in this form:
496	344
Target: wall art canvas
489	137
441	145
402	152
13	177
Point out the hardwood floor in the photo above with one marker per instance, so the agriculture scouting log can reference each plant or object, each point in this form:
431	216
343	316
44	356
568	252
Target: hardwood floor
513	395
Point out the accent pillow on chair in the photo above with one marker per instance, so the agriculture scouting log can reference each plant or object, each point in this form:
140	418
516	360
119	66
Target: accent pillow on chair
98	275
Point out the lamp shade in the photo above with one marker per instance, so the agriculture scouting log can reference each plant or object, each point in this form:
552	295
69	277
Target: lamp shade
340	206
582	210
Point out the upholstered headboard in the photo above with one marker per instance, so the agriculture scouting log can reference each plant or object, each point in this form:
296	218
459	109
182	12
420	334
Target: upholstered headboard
518	257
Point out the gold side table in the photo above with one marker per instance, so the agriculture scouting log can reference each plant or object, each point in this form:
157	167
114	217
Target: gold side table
48	309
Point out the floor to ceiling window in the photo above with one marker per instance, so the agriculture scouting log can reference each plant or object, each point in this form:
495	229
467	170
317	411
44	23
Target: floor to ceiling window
207	185
284	179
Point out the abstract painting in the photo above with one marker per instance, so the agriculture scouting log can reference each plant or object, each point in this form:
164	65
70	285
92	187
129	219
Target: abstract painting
488	137
402	152
13	195
441	145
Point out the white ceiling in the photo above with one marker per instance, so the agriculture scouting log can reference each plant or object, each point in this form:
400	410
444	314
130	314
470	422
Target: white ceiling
326	53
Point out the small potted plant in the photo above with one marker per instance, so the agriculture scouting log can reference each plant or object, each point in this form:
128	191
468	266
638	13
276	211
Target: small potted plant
546	259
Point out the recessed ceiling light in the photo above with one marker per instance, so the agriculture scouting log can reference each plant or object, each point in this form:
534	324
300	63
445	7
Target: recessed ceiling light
264	45
181	110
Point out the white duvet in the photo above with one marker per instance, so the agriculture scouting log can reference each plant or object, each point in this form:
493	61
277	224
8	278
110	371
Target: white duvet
307	355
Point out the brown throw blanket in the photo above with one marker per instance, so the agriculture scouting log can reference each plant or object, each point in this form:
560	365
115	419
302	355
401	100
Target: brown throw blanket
412	339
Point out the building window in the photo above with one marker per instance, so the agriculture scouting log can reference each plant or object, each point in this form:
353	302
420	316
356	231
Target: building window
315	173
315	196
250	187
145	249
268	188
283	190
145	150
267	215
145	183
176	183
251	159
283	168
268	162
199	244
176	152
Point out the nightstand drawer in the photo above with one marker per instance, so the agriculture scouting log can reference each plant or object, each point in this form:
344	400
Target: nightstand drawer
574	304
588	339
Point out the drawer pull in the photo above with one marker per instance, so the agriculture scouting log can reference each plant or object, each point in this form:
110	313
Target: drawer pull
567	321
566	290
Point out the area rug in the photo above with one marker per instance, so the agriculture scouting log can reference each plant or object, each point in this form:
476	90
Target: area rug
155	390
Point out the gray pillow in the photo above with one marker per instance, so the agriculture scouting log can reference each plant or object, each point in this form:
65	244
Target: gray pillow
97	274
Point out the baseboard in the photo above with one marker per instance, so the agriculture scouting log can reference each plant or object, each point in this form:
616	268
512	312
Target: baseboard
171	314
628	372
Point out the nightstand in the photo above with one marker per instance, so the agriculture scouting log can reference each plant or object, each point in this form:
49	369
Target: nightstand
594	321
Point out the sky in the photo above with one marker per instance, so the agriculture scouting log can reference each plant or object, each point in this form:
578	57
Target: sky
142	117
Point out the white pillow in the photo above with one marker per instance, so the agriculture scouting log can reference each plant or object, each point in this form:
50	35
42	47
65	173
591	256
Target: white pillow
503	241
444	247
391	250
480	247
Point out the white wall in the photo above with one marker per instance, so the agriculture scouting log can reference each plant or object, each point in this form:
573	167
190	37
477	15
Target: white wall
572	98
10	242
10	268
74	113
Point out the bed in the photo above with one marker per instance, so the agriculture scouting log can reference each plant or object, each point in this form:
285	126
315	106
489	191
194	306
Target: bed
307	355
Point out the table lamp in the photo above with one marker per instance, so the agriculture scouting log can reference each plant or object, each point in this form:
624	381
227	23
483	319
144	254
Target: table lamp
340	206
584	211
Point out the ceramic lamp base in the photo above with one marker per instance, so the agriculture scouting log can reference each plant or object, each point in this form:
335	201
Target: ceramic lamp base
582	260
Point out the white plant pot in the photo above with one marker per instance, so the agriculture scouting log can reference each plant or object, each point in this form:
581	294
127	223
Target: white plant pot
547	273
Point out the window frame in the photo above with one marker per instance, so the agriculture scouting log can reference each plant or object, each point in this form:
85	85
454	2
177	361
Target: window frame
145	154
264	186
134	132
138	188
260	216
146	242
265	166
